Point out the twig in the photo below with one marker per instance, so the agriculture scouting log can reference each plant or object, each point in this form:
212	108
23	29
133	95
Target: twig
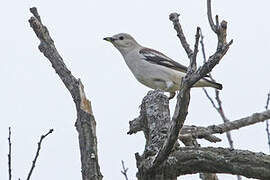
124	171
210	99
224	118
9	153
267	122
37	153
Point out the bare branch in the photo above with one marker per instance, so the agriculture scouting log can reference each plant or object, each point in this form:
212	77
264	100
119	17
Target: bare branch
124	171
236	124
85	123
155	118
193	63
224	118
202	45
206	132
218	108
190	79
189	133
37	153
183	97
174	17
9	153
219	160
219	29
193	132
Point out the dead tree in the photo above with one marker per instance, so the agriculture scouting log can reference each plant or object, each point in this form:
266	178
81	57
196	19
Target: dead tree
162	158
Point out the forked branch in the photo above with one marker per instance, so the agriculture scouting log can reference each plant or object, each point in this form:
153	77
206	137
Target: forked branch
190	79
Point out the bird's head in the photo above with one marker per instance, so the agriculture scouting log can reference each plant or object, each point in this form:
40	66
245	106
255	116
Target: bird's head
123	42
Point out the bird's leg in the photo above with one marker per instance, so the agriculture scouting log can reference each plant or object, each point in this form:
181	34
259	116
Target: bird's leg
169	85
172	94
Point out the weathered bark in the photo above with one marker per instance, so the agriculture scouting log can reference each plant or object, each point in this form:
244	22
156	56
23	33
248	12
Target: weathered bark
189	160
154	121
85	123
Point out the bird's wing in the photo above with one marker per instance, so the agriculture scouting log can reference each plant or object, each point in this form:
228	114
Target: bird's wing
155	57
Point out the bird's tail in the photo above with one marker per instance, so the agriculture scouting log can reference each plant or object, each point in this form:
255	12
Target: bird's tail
217	85
208	83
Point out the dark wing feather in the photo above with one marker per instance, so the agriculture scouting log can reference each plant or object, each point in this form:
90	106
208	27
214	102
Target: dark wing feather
155	57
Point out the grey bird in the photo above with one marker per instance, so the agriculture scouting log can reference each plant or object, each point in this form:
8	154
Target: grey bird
152	68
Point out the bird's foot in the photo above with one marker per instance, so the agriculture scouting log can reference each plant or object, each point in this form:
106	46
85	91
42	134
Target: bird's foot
172	94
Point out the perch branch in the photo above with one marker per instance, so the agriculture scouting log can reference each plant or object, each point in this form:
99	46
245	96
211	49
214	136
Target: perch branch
85	123
183	97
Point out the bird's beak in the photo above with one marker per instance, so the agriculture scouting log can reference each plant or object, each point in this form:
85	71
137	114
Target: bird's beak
110	39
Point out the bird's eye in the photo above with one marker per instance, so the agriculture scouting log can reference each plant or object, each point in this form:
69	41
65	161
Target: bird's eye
121	37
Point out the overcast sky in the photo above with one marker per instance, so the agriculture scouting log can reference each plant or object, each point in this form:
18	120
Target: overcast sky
33	98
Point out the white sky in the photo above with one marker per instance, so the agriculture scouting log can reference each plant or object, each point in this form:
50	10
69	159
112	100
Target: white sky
33	98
